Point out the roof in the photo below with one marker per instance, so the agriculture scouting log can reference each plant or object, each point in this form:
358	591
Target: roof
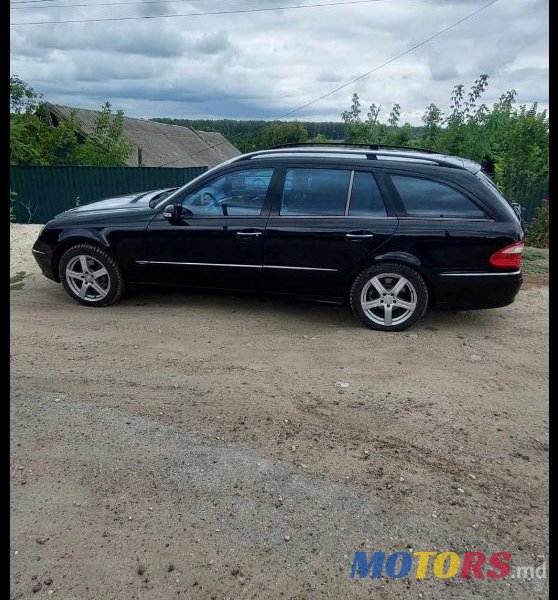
394	153
160	143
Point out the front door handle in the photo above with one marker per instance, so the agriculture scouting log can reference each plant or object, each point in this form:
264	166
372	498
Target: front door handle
359	236
248	234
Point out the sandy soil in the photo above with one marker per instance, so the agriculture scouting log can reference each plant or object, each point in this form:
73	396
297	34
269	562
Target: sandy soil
201	440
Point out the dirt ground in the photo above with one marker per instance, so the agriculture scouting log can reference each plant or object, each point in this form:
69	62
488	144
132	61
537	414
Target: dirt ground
194	445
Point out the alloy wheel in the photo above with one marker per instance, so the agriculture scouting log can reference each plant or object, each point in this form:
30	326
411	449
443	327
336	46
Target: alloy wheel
88	278
388	299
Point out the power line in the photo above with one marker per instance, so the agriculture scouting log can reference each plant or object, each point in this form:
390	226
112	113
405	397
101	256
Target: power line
137	3
219	12
375	70
391	60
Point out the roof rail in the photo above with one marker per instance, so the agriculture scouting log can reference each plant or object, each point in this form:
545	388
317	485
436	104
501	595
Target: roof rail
350	145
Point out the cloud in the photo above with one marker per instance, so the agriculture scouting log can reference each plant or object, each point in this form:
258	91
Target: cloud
262	65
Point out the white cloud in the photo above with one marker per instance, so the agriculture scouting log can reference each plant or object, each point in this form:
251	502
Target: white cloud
262	65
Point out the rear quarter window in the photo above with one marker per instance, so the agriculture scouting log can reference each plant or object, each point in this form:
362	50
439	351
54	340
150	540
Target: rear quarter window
422	197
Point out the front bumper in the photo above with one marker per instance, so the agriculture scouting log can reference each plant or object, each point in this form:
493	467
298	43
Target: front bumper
43	254
475	290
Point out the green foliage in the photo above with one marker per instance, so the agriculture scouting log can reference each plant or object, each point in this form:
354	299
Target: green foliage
536	231
432	119
520	150
23	98
283	133
514	140
25	130
34	141
106	146
320	138
245	135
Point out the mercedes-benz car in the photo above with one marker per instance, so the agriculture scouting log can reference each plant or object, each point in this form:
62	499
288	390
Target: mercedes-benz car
391	231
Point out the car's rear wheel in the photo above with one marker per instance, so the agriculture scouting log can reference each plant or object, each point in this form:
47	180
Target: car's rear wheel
91	275
389	297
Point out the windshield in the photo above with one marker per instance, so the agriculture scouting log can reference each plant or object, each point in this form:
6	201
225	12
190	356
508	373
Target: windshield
161	196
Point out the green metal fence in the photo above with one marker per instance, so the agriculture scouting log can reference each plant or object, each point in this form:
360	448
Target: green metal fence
531	196
43	192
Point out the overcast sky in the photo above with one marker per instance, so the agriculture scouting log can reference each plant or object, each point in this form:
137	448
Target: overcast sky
262	65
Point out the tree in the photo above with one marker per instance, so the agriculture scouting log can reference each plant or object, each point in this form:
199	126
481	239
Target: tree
432	119
23	98
512	141
283	133
25	131
520	150
394	115
356	131
352	115
373	114
34	141
106	146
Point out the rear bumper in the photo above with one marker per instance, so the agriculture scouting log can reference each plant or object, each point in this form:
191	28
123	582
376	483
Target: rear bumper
475	289
43	254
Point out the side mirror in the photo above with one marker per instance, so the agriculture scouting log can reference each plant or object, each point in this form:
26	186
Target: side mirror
170	212
176	212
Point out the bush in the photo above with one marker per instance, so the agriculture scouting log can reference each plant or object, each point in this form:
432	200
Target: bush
536	231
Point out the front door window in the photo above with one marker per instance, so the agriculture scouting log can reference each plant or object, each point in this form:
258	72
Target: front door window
235	194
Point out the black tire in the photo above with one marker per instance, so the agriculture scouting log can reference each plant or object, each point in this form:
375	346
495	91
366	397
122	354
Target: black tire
112	284
416	293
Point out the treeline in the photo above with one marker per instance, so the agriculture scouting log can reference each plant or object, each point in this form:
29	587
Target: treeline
249	135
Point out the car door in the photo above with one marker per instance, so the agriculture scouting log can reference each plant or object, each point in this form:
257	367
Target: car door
216	239
325	224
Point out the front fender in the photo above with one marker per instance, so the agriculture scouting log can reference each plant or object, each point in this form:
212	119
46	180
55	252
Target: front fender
80	234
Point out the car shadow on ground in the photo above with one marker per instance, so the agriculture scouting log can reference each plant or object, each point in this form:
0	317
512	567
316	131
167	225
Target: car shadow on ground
308	312
277	310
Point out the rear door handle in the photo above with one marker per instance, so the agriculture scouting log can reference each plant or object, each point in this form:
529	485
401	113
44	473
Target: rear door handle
359	236
248	234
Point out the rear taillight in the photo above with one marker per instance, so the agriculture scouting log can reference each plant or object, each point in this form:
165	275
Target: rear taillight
508	257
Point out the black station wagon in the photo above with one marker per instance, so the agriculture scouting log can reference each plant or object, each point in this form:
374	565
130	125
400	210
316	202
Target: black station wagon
390	230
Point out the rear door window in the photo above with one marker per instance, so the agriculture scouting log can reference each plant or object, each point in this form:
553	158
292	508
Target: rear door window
315	192
428	198
366	199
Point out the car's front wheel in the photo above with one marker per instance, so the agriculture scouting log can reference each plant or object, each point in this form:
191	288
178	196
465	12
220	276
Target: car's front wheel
91	275
389	297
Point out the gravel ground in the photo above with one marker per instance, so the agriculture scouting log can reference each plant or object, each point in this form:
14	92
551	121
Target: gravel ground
196	445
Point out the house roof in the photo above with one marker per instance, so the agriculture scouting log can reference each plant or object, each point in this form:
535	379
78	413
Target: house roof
160	143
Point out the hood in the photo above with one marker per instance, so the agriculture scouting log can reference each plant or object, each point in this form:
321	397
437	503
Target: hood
136	200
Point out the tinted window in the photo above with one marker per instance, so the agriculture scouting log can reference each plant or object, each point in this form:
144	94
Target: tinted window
366	199
428	198
240	193
315	192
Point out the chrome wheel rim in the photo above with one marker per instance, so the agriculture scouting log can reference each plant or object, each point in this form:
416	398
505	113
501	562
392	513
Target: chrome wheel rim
388	299
88	278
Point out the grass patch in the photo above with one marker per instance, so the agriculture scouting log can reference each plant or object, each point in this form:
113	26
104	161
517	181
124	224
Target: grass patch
535	261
